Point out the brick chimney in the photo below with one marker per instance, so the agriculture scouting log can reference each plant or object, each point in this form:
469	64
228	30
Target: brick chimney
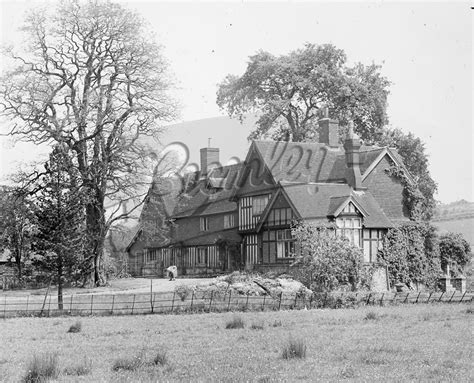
328	130
352	146
209	160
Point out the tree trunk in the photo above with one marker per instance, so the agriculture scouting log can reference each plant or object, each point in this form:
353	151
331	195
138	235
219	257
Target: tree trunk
60	283
96	232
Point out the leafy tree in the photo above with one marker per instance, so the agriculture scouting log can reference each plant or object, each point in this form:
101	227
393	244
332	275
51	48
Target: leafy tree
59	210
326	262
18	226
92	79
455	251
289	91
412	150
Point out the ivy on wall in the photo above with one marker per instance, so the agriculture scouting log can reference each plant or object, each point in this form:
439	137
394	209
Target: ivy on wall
412	197
411	252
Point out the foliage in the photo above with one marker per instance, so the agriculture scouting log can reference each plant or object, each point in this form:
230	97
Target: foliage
415	159
413	200
411	253
18	227
289	91
327	262
183	291
93	79
160	358
81	369
59	212
455	251
42	368
129	363
294	348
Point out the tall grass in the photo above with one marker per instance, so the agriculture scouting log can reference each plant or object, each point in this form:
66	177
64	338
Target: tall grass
42	368
294	348
235	322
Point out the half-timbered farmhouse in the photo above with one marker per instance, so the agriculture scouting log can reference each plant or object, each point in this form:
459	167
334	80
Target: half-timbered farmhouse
225	218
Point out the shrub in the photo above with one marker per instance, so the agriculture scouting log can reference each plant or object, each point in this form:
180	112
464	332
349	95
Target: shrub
294	348
183	291
129	363
76	327
235	322
455	251
82	369
160	358
42	368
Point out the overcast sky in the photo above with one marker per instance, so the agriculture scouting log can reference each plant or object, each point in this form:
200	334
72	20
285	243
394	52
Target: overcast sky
425	50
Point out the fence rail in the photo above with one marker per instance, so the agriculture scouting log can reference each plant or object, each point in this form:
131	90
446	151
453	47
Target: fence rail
130	304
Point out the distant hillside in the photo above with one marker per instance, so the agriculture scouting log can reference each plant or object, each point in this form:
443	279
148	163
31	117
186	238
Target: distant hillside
454	210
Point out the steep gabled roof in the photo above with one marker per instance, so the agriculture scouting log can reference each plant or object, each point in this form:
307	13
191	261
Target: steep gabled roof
303	162
323	200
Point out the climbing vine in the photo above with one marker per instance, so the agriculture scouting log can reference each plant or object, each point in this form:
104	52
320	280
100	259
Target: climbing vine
412	197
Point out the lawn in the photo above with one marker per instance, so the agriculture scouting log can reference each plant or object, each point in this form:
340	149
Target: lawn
403	343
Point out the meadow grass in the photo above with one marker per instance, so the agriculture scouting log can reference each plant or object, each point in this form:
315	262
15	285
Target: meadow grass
405	343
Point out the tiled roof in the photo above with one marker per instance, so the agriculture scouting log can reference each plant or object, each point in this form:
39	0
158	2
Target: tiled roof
199	200
318	201
310	162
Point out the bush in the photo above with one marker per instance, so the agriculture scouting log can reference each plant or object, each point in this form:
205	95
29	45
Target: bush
76	327
235	322
42	368
183	291
294	349
455	251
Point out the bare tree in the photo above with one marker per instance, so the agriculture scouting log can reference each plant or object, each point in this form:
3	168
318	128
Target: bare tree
92	79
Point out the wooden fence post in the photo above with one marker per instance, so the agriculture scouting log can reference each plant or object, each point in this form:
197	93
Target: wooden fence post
406	298
228	304
133	303
279	304
247	302
27	301
368	299
113	302
172	303
210	301
394	297
311	300
441	296
5	308
263	304
418	297
70	304
463	296
92	303
192	300
381	299
49	305
429	296
151	295
454	292
296	300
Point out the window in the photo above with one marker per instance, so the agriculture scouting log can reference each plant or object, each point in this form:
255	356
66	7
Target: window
372	241
350	228
201	256
204	224
277	244
281	216
285	244
229	221
259	203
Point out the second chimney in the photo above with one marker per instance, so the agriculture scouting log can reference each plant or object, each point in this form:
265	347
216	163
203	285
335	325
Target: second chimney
328	130
352	146
209	160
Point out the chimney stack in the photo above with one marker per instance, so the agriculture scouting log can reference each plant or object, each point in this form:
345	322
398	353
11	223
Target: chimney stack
209	160
352	146
328	130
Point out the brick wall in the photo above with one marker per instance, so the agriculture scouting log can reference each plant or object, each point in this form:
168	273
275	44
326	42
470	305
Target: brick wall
387	190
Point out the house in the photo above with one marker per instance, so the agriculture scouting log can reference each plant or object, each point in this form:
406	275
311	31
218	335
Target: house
225	218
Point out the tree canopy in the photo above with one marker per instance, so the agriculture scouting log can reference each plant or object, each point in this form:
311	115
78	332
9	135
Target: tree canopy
289	91
93	79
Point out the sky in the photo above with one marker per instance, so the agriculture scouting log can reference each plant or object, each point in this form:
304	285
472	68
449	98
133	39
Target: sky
425	50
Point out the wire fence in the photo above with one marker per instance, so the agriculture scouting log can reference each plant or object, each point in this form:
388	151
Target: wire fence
172	303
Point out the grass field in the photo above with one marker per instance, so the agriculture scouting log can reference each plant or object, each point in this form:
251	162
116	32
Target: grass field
402	343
